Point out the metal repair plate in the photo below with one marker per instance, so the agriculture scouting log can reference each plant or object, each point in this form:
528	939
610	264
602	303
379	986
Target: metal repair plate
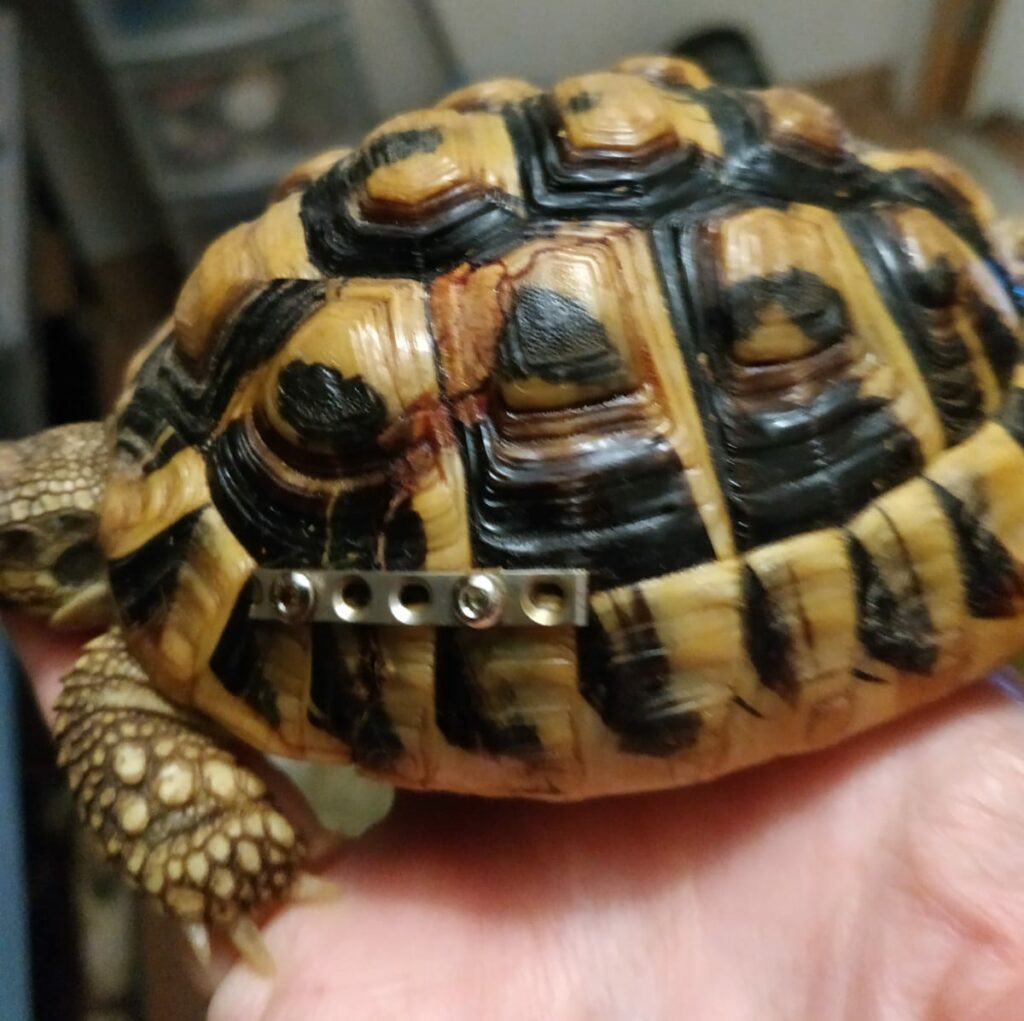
475	599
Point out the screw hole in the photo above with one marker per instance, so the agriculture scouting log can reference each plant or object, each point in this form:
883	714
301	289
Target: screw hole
415	596
545	602
356	594
548	595
410	603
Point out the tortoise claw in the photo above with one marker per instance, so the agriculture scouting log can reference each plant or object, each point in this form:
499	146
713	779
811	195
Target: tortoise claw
310	889
246	939
198	937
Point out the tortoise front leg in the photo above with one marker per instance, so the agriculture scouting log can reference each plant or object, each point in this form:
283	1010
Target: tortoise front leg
181	817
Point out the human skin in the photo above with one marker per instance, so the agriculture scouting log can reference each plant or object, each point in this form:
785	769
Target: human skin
882	879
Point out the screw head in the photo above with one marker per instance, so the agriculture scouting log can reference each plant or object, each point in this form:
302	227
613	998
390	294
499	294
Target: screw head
479	600
292	596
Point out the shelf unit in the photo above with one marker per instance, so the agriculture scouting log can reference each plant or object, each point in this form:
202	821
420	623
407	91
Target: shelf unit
126	42
222	97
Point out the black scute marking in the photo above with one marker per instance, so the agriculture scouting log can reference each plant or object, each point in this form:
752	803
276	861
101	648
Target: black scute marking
920	303
867	677
321	405
144	580
786	167
814	306
1000	342
610	184
552	336
993	584
348	701
899	632
619	507
152	408
627	678
472	718
286	527
393	147
934	287
256	332
237	661
581	102
405	540
191	399
262	326
474	224
793	470
767	638
921	188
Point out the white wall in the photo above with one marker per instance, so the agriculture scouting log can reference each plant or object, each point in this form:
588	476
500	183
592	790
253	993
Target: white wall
999	86
395	56
910	46
545	39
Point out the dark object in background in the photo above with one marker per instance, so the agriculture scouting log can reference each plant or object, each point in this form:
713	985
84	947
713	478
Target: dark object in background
727	54
222	98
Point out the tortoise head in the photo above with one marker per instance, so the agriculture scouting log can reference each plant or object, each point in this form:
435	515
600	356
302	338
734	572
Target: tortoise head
50	561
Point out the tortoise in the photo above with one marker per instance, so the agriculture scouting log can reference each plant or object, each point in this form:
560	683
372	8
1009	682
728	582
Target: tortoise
687	430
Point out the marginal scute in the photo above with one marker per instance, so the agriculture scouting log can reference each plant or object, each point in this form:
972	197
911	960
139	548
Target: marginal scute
626	675
606	114
893	621
308	170
272	247
666	70
796	118
963	297
934	167
993	579
493	94
767	637
610	118
437	156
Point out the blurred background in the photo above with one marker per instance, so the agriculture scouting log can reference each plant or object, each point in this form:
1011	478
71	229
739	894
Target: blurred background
133	131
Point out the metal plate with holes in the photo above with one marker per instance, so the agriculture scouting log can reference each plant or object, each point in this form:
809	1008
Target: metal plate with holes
476	599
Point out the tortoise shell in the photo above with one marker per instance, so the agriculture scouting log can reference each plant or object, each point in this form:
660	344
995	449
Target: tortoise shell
755	377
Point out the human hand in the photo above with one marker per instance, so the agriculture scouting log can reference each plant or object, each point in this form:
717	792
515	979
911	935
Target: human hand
883	879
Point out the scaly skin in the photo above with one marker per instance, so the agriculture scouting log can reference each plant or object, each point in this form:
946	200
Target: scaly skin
169	805
184	821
